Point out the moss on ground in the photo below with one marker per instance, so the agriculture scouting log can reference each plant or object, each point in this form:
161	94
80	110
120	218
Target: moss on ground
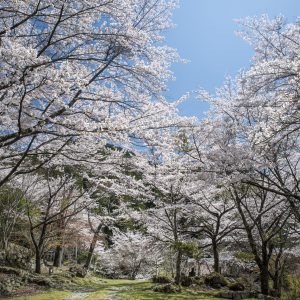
134	290
45	295
95	288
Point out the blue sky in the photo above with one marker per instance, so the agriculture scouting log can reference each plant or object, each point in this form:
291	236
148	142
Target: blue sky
204	34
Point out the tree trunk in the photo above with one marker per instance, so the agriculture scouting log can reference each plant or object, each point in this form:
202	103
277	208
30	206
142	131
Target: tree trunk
135	270
38	261
216	256
58	256
264	279
92	247
277	285
278	278
4	243
76	253
178	267
279	267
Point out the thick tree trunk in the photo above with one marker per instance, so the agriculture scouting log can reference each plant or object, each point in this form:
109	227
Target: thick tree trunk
216	257
38	262
264	279
178	267
58	256
263	261
92	247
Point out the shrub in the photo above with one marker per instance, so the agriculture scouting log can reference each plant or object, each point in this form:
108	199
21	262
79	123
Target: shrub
293	289
78	271
236	286
198	280
215	280
161	279
186	281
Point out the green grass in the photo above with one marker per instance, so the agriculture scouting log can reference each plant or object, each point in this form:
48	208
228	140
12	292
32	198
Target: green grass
100	289
138	290
45	295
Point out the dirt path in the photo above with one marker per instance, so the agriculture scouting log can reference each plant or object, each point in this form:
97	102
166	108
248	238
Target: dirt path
78	296
113	291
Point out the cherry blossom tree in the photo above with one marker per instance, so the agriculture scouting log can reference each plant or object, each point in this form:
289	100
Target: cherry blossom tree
265	218
214	218
51	200
260	107
132	254
76	75
11	209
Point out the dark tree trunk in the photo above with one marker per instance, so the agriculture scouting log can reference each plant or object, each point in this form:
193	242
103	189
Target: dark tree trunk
178	267
38	261
264	279
58	256
92	247
263	261
216	256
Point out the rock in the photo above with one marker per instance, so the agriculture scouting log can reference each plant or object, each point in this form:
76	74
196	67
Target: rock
40	280
10	280
16	256
13	271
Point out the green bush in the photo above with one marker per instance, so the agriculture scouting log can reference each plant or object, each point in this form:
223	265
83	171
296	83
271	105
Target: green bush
293	289
198	280
245	256
186	281
78	271
236	286
161	279
215	280
190	249
82	256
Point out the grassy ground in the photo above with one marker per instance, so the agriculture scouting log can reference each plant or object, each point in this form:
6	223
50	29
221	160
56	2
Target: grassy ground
135	290
46	295
93	288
